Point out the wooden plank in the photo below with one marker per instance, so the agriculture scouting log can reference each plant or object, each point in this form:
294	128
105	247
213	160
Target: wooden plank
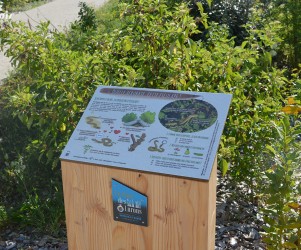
181	211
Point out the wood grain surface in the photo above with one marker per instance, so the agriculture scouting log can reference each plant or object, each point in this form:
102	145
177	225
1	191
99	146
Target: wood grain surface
181	211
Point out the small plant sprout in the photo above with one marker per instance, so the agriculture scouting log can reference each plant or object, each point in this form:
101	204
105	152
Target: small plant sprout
87	148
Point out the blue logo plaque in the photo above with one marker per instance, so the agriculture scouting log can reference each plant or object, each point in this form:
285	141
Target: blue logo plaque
129	205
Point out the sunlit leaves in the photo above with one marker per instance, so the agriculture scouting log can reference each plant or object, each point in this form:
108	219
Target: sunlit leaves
279	191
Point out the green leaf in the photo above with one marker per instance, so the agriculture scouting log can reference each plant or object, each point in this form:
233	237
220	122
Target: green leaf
225	167
294	205
63	127
127	44
49	154
209	3
293	225
48	45
289	245
244	43
252	60
200	7
268	58
271	149
193	46
74	107
29	122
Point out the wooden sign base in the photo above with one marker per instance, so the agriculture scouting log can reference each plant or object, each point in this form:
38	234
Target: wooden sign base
181	211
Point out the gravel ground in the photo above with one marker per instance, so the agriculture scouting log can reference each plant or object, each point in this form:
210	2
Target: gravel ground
59	12
237	225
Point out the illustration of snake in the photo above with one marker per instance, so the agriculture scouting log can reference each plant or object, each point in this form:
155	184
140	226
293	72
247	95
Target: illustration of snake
93	121
187	119
105	141
156	148
182	121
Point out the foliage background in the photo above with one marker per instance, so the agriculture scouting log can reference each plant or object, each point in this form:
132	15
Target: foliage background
18	5
163	45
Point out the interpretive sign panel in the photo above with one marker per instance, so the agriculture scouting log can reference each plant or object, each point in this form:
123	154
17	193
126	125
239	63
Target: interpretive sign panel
161	131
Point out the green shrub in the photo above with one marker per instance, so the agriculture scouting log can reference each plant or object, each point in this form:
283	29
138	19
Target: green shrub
57	74
87	18
153	49
50	88
288	14
281	187
234	14
108	16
